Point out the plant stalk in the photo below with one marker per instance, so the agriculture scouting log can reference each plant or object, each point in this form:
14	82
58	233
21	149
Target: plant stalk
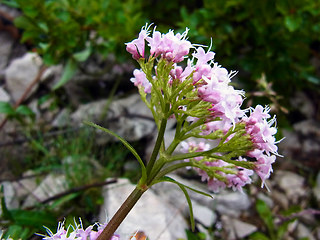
157	146
120	215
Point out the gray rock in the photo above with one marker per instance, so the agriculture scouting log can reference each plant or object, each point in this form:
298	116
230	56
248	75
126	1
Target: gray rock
304	232
232	203
9	195
174	196
50	186
308	128
128	117
203	215
62	119
266	199
316	189
280	199
4	96
12	12
6	42
304	104
237	229
292	184
25	186
291	145
21	73
151	214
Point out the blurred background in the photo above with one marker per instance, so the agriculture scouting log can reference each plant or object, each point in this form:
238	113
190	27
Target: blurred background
64	61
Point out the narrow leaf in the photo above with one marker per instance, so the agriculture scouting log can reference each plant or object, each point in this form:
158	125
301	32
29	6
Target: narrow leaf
183	188
12	4
6	108
125	143
69	70
258	236
83	55
265	214
24	110
6	214
17	232
32	218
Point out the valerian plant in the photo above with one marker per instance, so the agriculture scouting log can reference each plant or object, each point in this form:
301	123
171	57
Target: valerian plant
225	144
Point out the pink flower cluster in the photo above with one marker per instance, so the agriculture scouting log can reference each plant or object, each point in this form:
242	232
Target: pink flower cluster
169	46
262	134
211	84
77	234
236	180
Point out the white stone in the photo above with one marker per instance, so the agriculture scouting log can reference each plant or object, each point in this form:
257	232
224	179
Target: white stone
174	196
121	117
21	73
291	183
4	96
232	203
50	186
154	217
316	189
6	42
203	215
9	195
237	229
62	119
304	232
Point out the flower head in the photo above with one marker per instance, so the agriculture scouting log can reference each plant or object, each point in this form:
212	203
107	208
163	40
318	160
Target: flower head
199	95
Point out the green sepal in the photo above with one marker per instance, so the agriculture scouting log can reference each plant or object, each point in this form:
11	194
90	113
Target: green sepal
127	145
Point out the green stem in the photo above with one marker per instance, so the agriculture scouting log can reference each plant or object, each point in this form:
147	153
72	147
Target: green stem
120	215
158	143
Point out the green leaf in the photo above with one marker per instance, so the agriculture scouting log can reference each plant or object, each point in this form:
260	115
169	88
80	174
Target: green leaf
17	232
265	214
186	194
6	108
292	22
11	3
24	110
43	26
63	200
83	55
6	214
313	80
282	229
128	146
23	22
32	218
258	236
69	70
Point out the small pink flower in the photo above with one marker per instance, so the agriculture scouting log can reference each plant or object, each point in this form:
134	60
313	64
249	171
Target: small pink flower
262	131
263	164
203	57
137	46
171	47
140	80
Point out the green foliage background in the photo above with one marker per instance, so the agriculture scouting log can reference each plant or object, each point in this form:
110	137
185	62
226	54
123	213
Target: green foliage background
277	38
